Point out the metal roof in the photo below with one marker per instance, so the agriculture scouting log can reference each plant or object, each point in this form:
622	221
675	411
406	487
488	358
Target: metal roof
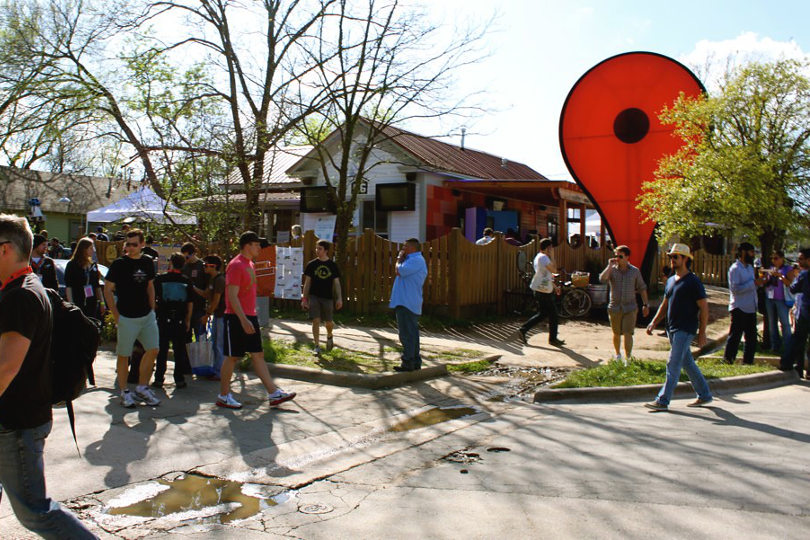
276	162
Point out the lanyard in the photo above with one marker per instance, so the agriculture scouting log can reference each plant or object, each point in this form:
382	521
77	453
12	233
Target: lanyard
15	275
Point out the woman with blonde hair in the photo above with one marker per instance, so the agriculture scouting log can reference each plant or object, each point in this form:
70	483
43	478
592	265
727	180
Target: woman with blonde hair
82	279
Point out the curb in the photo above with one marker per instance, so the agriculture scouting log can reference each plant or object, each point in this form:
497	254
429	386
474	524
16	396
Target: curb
357	380
362	380
741	383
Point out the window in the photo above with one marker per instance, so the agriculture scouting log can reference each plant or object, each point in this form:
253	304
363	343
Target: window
552	228
372	218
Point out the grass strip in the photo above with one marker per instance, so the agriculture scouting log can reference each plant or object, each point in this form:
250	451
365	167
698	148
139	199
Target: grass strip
637	372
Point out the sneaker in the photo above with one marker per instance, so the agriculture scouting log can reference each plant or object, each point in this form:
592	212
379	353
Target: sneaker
618	358
228	402
280	396
522	334
157	384
316	351
329	343
656	406
700	402
181	383
127	400
147	396
556	342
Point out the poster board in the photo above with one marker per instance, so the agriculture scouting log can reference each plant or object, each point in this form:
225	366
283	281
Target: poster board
325	227
288	270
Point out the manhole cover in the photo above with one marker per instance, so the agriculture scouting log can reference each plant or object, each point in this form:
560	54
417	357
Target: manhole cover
316	508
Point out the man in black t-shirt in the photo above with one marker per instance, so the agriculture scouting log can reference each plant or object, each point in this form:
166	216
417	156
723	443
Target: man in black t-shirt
194	270
321	286
173	296
151	252
43	265
26	323
131	277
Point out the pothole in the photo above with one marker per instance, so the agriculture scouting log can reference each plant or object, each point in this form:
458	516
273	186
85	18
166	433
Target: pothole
195	495
432	417
463	456
498	449
523	381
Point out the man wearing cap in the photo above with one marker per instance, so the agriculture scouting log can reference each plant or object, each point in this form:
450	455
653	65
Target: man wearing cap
101	235
687	312
42	265
742	291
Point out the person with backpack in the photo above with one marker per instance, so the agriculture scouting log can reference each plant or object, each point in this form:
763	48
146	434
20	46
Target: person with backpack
174	304
25	388
131	277
42	265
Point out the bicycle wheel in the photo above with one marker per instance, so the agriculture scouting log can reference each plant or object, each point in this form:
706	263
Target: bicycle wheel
576	303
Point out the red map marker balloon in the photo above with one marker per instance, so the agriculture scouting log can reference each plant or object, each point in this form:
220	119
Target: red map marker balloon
611	138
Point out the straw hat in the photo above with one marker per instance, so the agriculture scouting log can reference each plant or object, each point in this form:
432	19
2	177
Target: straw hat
680	249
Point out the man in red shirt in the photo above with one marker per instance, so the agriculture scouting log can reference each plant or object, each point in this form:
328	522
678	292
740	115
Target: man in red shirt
242	333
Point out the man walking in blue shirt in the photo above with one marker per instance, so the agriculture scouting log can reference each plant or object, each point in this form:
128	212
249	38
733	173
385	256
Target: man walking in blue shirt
793	356
406	300
742	289
687	313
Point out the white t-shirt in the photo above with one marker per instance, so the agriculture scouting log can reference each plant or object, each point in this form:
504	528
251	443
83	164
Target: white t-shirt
543	280
484	240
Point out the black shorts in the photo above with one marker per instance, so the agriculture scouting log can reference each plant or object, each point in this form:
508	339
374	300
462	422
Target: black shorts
237	342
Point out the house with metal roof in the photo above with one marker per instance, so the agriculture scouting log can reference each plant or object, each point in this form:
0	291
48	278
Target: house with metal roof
418	186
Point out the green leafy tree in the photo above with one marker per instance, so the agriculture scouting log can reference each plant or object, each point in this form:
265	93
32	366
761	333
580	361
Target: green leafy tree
745	161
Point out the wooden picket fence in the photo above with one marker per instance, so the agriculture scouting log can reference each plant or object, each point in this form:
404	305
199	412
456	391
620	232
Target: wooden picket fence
462	276
711	269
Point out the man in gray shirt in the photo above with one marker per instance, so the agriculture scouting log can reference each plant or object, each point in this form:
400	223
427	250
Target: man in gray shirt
625	282
742	290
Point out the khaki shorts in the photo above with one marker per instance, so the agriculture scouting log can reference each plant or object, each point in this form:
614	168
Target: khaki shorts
623	323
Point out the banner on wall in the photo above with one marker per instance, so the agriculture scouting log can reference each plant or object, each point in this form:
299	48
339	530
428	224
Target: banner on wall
288	271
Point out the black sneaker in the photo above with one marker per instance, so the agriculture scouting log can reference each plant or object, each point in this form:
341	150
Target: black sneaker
556	342
180	384
157	384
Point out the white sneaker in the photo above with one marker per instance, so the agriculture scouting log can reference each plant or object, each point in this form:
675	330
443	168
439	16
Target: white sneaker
317	350
618	358
280	396
228	402
147	396
127	400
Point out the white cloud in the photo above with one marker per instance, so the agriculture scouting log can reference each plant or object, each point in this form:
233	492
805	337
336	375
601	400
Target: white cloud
711	59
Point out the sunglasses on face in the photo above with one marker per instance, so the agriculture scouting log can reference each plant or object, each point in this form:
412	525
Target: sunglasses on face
132	244
673	257
620	256
210	266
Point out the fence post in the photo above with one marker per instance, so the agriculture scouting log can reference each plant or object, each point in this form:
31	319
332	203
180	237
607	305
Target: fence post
500	275
369	285
454	276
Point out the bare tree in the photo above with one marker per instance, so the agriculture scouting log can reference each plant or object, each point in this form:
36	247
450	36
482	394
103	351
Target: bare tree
380	66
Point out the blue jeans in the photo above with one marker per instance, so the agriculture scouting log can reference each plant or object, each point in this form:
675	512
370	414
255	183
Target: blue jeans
22	476
217	342
408	325
778	310
680	358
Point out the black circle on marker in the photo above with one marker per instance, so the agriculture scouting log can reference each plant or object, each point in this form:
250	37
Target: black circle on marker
631	125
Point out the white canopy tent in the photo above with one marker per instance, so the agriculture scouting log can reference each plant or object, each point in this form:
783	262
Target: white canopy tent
142	205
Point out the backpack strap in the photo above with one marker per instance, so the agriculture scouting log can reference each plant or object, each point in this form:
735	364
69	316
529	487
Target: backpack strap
72	418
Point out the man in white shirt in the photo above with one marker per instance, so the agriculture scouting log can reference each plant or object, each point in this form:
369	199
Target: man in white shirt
542	286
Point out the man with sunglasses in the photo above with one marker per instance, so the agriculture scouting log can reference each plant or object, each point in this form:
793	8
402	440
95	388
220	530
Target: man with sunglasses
26	322
131	278
625	282
687	312
793	356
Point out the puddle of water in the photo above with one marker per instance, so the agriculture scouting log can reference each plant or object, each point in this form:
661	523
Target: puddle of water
196	492
431	417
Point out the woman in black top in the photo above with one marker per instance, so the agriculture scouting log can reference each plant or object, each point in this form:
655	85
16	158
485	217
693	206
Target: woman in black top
82	279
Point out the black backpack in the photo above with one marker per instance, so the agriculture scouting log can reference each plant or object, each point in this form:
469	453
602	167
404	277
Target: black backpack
74	344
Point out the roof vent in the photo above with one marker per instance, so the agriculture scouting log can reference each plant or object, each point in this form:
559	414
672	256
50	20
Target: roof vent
504	162
463	133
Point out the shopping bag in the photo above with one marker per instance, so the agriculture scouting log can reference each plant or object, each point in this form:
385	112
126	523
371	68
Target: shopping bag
201	357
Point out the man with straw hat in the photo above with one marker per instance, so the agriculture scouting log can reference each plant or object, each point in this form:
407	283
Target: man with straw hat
687	312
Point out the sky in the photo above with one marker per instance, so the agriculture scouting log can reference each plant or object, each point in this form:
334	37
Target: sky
538	49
